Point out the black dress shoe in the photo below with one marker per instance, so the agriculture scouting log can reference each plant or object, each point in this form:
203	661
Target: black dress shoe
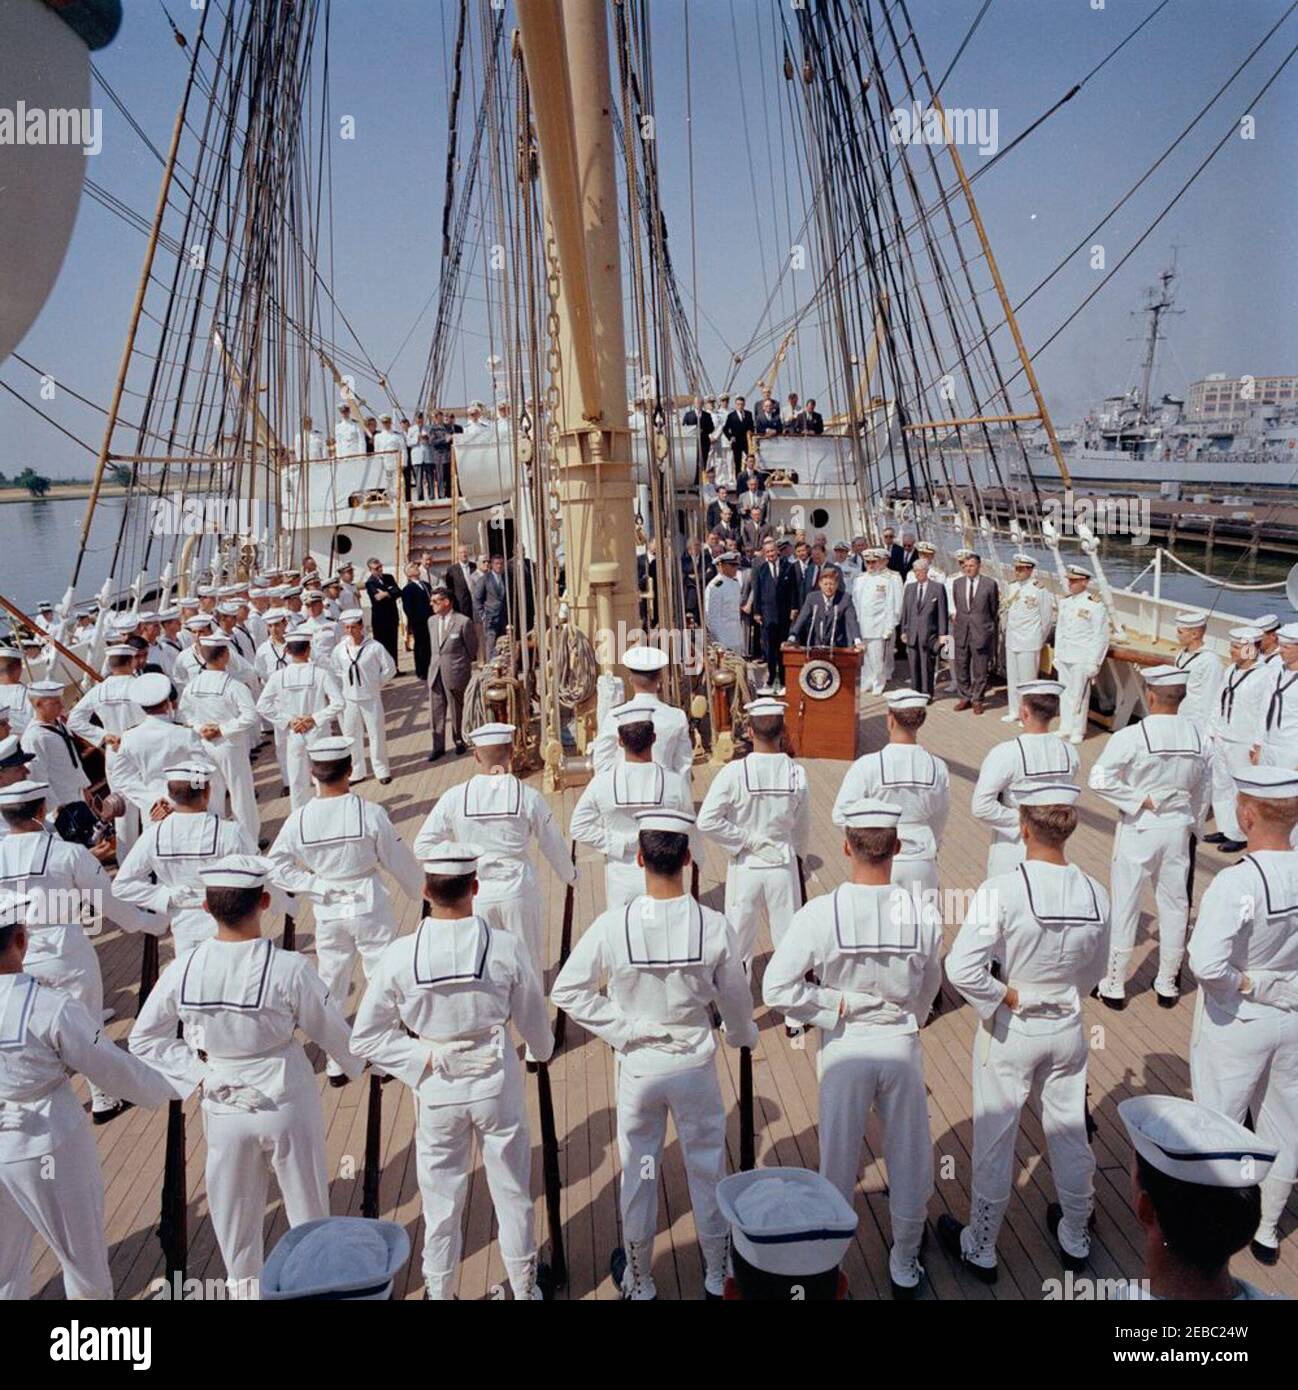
103	1117
948	1237
383	781
283	791
903	1293
263	843
435	755
461	748
1109	1001
1232	846
1054	1215
1214	839
545	1280
1264	1254
342	1079
1167	1001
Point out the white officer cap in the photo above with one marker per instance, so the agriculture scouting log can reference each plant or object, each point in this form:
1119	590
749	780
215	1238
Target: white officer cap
963	553
228	610
1267	782
869	813
45	688
196	774
150	688
19	793
452	858
765	706
1268	622
1288	634
198	624
787	1221
841	545
336	1257
665	818
45	606
876	552
1047	794
1078	572
728	557
351	615
1021	559
313	596
236	871
292	591
12	753
119	650
9	653
907	699
1164	675
1041	688
1189	1141
645	659
491	735
330	750
277	591
1191	617
1243	635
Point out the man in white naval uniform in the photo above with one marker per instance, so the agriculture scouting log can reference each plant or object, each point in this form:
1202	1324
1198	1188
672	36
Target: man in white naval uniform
272	656
324	631
349	596
758	809
194	658
51	1183
240	999
1026	620
501	815
363	667
876	956
1244	953
1036	755
663	960
1203	670
1158	773
721	601
163	870
673	746
605	814
349	437
1236	727
1081	644
56	760
219	708
390	454
15	707
1278	742
100	717
241	643
303	699
70	897
1268	647
329	852
1046	925
437	1015
912	778
876	596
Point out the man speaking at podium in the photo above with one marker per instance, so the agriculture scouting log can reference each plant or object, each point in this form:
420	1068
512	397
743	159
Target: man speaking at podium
826	619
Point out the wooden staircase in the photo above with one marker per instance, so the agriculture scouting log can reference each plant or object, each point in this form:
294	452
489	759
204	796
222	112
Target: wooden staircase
430	526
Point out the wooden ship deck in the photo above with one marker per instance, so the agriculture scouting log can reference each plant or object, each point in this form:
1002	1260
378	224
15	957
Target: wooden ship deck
1142	1049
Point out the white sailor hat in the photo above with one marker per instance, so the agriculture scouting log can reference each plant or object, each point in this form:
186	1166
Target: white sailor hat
1021	559
787	1221
333	582
336	1257
45	606
351	615
168	615
907	699
1245	635
452	858
869	813
841	545
45	688
150	688
149	616
125	622
1267	782
12	753
1191	617
227	589
10	654
1041	687
228	610
1164	675
278	591
1268	622
665	818
196	774
236	871
188	601
1047	794
119	649
275	615
1189	1141
292	591
766	705
19	793
198	624
645	659
1288	633
491	735
214	639
635	712
330	750
257	582
313	596
300	636
206	590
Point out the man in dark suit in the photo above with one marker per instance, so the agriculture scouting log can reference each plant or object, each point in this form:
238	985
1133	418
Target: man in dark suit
697	570
771	601
973	628
459	580
454	645
825	618
806	571
495	604
813	421
923	624
699	418
752	494
738	429
795	422
768	418
384	595
715	509
416	599
754	532
902	557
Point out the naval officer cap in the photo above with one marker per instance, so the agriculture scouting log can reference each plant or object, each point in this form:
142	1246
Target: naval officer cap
313	596
841	545
645	659
1243	636
1191	617
20	793
150	688
1193	1143
787	1221
1267	782
926	548
1164	675
330	750
1288	634
1021	559
194	773
351	615
869	813
452	859
1268	622
236	871
766	705
45	688
665	818
12	753
1078	572
491	735
728	557
1041	687
336	1258
1047	794
45	606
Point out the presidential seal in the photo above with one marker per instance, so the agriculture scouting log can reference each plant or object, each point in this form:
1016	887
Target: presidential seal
820	680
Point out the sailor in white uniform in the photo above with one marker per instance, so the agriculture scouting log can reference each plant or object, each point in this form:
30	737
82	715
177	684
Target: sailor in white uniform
673	746
329	851
1158	773
51	1183
349	437
1036	755
663	960
1026	620
163	870
877	600
71	896
1237	727
219	708
910	777
56	759
721	600
502	815
165	648
437	1015
1278	744
241	643
363	667
1244	953
303	699
1203	670
349	595
15	707
190	661
323	629
272	656
156	743
605	814
102	715
1268	647
240	999
876	956
1081	645
758	809
1046	925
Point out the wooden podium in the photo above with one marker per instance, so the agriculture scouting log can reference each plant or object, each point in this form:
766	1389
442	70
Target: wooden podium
821	717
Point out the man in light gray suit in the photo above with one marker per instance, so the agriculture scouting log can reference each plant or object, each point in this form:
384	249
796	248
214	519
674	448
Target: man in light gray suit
974	616
454	645
923	625
495	603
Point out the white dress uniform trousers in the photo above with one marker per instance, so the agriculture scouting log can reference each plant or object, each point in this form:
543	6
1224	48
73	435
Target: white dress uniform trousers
216	697
362	672
301	689
1029	616
1081	644
1007	769
1238	726
877	600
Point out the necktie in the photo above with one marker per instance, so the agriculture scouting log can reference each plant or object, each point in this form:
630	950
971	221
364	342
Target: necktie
1275	710
919	598
969	594
58	728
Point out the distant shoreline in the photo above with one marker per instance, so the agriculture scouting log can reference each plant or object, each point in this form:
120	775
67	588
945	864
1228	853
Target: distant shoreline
66	492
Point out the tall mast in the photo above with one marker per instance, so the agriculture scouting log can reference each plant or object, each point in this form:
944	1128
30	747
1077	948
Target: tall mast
1160	301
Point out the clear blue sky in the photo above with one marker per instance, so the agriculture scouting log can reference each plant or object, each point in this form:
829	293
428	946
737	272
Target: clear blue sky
390	71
